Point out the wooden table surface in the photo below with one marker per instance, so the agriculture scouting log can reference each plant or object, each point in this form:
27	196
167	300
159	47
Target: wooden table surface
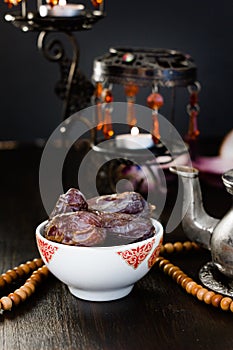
158	314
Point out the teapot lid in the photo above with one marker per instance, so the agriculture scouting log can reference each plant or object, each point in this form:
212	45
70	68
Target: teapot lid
228	180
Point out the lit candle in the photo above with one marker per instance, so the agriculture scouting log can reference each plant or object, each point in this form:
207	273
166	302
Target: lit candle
134	140
61	10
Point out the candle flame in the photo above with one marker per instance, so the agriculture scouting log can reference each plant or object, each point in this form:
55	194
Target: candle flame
134	131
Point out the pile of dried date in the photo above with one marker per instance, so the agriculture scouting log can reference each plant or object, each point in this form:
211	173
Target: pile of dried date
106	220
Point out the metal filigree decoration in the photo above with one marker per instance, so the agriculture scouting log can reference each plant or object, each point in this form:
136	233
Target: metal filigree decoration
73	88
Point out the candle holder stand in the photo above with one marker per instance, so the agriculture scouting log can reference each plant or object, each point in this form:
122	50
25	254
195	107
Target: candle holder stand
74	89
133	69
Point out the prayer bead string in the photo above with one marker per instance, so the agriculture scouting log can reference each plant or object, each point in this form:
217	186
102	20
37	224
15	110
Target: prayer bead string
40	272
191	287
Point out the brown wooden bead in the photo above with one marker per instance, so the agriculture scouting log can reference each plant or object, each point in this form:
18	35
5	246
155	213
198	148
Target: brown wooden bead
178	247
216	299
12	273
7	278
162	250
31	286
169	248
208	297
167	267
27	290
187	245
231	306
225	303
38	262
157	260
163	262
32	265
25	268
15	298
195	246
6	303
21	293
43	270
176	274
181	277
195	289
19	271
172	270
201	293
189	286
185	281
36	277
2	282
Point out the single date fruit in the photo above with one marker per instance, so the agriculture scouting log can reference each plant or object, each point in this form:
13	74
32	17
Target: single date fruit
80	228
71	201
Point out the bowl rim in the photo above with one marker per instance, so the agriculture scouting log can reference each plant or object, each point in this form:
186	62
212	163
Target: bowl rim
155	222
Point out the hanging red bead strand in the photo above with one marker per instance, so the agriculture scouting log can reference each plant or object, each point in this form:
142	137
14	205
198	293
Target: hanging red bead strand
131	91
155	102
97	4
107	101
193	111
98	102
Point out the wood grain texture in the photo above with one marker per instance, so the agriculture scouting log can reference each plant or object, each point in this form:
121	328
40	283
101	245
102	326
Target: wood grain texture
157	314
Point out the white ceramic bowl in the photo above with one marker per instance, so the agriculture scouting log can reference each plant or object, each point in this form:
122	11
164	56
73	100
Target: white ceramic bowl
100	273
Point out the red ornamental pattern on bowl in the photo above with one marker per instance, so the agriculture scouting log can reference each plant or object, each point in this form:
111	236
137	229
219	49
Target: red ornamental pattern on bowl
154	255
135	256
47	250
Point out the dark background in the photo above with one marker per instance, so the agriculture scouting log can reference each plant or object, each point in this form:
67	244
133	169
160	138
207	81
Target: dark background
29	108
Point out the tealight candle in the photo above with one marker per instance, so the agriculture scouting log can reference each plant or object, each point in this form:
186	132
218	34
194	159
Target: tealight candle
135	140
61	10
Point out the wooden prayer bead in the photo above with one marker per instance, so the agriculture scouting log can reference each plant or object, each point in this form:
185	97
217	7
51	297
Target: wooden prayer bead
21	293
187	246
15	298
169	248
173	269
19	271
2	282
13	274
185	281
6	303
162	250
167	267
7	278
225	303
176	274
208	297
201	293
181	277
216	299
231	306
163	263
195	289
25	268
31	286
36	277
178	247
38	262
195	246
32	265
27	290
43	271
189	286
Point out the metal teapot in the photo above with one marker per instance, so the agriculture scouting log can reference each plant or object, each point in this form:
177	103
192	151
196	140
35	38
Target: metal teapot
213	234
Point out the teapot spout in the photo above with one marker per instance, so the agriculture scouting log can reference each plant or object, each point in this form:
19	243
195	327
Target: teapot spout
197	224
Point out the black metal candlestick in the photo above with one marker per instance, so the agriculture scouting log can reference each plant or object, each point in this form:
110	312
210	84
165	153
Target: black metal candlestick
74	89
